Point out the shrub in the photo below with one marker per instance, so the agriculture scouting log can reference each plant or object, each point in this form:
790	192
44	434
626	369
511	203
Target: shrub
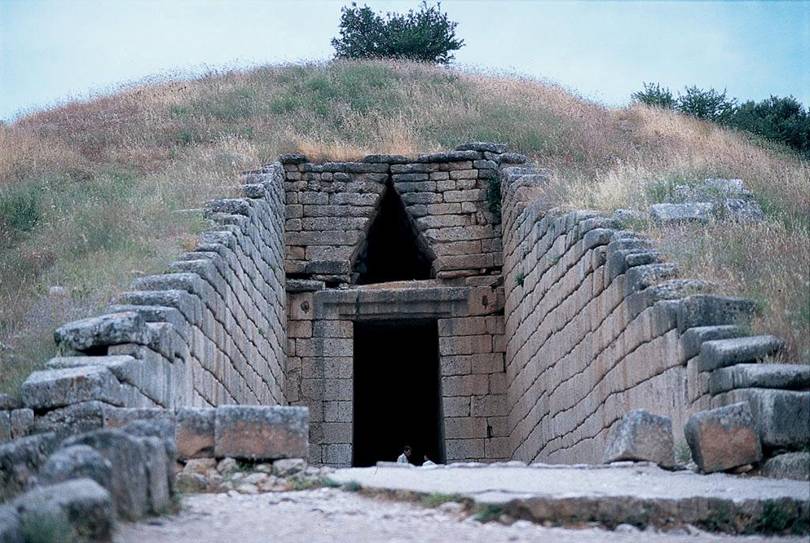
426	35
654	94
706	104
777	119
782	120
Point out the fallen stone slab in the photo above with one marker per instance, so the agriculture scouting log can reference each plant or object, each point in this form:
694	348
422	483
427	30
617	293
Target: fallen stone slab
641	436
779	376
128	458
699	212
261	433
726	352
794	465
48	389
77	510
636	494
741	210
723	438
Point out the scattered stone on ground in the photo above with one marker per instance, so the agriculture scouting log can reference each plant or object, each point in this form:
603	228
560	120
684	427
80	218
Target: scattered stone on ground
76	510
723	438
710	199
329	515
793	465
640	435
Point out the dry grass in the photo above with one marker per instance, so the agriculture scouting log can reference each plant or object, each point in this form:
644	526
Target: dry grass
88	190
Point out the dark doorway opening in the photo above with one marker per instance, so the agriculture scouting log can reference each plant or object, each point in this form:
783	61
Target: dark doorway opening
397	396
392	251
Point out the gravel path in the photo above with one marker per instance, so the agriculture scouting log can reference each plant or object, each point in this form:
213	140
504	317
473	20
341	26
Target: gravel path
330	515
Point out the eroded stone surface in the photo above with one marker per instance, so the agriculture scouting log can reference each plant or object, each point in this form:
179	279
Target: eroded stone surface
77	510
640	435
254	432
794	465
723	438
63	387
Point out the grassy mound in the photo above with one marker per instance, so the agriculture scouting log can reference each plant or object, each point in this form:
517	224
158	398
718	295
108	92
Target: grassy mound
95	193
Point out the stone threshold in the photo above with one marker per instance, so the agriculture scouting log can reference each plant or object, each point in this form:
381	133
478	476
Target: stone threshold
638	494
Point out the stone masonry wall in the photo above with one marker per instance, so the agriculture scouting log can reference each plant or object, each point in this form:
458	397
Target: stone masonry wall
210	331
331	206
471	345
597	324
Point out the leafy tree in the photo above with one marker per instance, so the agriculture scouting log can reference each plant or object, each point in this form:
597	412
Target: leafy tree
425	35
783	120
706	104
654	94
778	119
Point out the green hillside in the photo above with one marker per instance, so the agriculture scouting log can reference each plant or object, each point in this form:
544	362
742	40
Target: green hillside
95	193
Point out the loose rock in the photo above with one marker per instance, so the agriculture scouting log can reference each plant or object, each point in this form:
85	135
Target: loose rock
640	435
723	438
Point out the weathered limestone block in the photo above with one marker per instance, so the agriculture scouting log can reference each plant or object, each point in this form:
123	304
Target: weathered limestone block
782	416
255	432
710	310
640	435
126	327
58	388
194	432
76	462
21	459
723	438
678	213
8	402
77	510
159	469
726	352
128	458
794	465
22	421
778	376
73	419
693	338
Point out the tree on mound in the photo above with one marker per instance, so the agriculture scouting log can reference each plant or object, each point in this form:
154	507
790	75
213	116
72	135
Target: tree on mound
426	35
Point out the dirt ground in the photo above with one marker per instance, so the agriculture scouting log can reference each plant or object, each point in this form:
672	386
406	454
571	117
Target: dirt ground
330	515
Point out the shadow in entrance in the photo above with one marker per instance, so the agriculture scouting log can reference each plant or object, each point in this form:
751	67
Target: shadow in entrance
396	391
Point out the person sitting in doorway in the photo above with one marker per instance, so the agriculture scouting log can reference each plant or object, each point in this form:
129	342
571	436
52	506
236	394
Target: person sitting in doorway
428	462
405	457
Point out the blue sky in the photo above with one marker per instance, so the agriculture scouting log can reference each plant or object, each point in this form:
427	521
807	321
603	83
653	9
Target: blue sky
51	50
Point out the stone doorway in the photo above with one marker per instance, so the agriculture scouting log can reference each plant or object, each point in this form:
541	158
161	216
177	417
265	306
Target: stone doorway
397	393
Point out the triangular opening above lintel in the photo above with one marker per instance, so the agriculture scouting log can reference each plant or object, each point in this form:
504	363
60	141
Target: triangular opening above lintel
392	250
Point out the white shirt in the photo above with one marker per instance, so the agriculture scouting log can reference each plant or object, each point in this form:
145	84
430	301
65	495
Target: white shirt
402	459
